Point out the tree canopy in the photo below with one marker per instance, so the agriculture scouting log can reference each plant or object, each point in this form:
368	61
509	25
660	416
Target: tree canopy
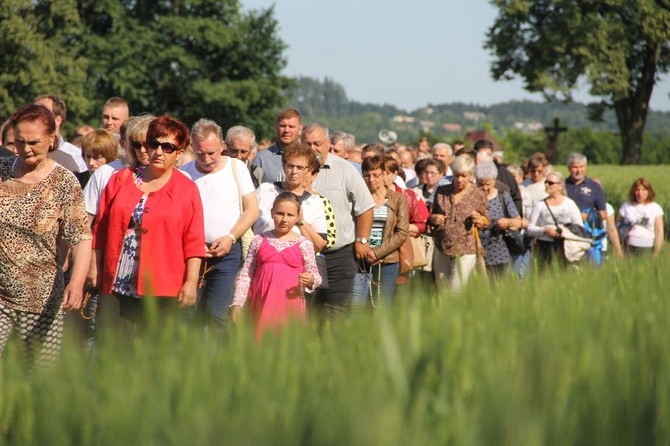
618	47
188	58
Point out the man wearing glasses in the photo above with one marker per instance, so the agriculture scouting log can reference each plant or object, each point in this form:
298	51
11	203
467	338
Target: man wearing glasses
241	144
443	152
352	202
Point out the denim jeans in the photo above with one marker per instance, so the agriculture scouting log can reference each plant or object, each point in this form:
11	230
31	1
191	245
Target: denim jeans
376	286
216	295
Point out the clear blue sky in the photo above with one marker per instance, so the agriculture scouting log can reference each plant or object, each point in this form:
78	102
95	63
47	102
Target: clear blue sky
408	53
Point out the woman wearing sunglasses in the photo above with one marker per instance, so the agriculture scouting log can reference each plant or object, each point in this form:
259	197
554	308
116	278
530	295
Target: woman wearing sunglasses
149	236
556	208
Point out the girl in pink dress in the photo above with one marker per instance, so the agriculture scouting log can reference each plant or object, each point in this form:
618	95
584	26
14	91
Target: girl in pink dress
278	270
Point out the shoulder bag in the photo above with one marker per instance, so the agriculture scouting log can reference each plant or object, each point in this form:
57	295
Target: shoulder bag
245	240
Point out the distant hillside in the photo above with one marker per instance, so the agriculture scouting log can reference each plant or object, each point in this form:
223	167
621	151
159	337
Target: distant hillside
327	102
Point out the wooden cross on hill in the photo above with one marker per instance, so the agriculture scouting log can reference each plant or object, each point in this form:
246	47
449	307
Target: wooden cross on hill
552	139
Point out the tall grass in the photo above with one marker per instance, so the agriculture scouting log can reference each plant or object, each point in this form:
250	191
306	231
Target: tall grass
561	358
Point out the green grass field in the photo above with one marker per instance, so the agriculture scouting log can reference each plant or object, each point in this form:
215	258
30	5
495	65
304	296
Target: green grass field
561	358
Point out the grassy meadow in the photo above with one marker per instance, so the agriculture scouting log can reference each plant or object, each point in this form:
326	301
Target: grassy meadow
564	357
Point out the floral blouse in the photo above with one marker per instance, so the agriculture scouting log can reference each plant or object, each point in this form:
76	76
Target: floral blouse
33	219
456	236
129	263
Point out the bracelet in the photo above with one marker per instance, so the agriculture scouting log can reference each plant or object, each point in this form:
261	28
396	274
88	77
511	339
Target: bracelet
232	237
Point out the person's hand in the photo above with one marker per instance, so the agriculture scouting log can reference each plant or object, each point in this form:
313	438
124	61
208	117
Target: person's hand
306	280
362	250
187	294
73	296
478	220
220	247
437	219
372	258
503	223
93	279
235	311
551	232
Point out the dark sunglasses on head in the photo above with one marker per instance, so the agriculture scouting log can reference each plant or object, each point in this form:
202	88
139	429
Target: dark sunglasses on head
167	147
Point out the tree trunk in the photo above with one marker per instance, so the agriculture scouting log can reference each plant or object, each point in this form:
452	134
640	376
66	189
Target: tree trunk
631	112
631	138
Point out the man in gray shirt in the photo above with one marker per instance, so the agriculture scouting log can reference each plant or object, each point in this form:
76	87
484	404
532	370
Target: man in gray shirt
353	206
288	131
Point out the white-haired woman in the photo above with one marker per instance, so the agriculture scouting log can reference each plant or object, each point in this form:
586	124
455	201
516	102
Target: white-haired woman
504	217
456	209
556	208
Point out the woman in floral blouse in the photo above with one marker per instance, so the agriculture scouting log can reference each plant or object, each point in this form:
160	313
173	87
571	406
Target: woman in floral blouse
457	209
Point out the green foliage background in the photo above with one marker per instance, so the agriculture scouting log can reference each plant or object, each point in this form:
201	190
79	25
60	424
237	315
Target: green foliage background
188	58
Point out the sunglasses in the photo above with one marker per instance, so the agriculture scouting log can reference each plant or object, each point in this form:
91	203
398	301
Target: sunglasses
550	183
167	147
135	145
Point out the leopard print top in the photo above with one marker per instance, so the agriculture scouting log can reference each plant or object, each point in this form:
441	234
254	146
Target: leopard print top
33	218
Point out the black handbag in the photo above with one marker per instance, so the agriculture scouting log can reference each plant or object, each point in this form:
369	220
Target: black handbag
513	239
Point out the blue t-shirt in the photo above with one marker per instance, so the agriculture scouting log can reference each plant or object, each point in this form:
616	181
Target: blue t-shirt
587	194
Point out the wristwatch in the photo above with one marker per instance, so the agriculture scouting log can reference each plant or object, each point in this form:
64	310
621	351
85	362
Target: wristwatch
362	240
232	237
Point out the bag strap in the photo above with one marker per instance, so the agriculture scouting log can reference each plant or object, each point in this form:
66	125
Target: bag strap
237	183
504	206
558	228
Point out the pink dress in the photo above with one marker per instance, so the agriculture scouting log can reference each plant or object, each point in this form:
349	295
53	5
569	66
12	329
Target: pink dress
270	277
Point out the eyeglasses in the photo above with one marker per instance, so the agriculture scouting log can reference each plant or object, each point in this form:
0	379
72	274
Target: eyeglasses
167	147
551	183
369	176
295	167
136	145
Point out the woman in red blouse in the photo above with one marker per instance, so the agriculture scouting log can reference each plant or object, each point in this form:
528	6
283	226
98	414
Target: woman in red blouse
149	236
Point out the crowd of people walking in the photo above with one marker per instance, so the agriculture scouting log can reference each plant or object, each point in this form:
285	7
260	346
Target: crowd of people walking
144	209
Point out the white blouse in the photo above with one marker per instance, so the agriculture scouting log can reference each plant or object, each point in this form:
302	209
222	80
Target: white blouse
643	218
566	213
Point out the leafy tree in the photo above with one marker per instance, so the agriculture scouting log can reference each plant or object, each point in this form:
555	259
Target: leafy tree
189	58
618	46
41	53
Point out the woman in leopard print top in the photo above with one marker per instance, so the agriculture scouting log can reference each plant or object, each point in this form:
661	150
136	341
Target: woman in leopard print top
41	205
